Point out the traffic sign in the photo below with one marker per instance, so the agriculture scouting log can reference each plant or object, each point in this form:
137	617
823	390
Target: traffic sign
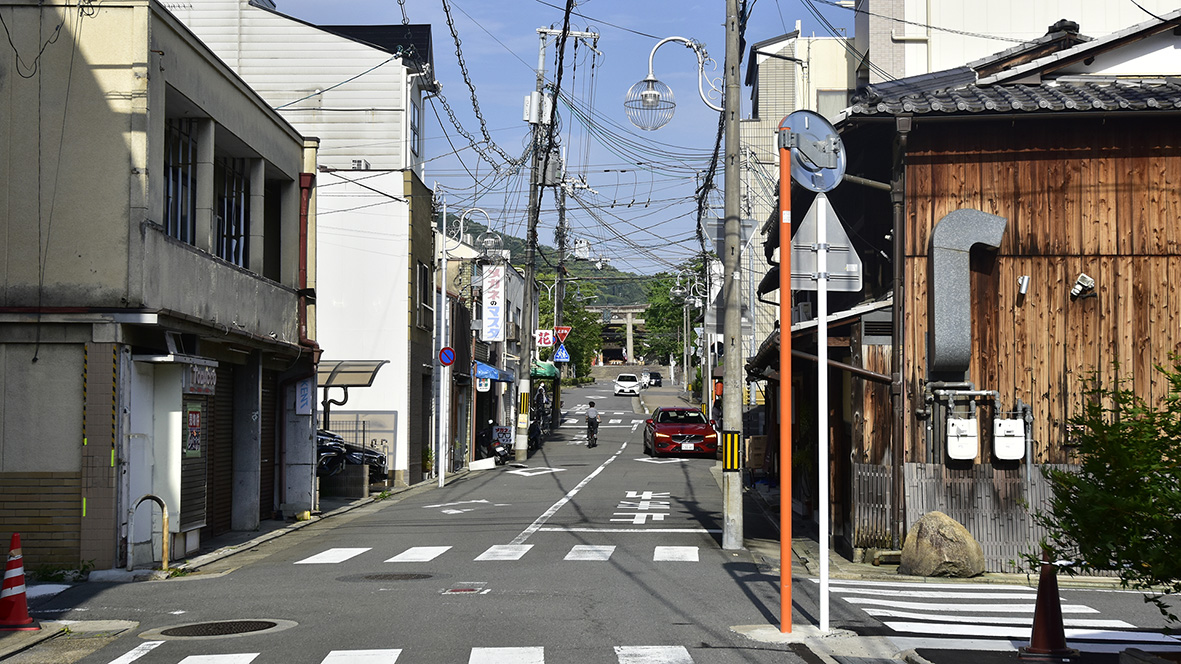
446	356
562	331
561	355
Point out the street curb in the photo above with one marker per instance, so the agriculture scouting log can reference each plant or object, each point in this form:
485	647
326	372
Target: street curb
15	642
912	657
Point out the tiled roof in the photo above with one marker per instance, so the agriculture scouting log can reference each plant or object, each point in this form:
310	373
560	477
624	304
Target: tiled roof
1105	96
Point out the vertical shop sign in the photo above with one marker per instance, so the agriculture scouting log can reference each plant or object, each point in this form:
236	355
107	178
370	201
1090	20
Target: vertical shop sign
493	310
194	416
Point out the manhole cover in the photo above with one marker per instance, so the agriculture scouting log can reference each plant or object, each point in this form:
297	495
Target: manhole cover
396	577
223	628
219	629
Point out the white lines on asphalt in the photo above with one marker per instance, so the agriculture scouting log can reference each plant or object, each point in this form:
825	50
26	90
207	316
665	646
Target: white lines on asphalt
590	552
419	554
139	651
332	556
534	655
362	657
912	584
684	554
936	594
653	655
505	552
238	658
986	608
945	629
575	529
1000	620
533	472
658	461
540	521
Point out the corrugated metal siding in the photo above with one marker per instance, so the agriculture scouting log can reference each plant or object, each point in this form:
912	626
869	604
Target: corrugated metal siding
221	454
269	442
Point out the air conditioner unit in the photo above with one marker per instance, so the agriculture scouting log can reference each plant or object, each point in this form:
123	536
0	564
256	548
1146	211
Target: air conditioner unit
360	164
512	331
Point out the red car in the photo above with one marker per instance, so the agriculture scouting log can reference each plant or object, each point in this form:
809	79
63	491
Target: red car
679	430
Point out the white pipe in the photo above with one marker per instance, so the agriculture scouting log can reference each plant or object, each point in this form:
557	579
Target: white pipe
822	401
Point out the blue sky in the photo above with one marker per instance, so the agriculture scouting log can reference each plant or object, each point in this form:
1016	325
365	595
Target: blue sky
637	215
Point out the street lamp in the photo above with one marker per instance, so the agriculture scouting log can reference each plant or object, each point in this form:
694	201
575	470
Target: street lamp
650	103
691	292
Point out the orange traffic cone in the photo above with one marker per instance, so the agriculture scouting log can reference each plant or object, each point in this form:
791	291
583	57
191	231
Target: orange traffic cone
14	606
1047	642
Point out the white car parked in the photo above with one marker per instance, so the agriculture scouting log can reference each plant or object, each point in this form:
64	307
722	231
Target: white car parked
627	385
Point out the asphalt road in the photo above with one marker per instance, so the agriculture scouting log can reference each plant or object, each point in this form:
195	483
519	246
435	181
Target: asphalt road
583	555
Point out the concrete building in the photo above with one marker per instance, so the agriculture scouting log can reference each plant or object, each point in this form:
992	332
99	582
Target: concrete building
154	327
359	89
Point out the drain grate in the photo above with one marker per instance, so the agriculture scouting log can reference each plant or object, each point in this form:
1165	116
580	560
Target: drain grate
221	628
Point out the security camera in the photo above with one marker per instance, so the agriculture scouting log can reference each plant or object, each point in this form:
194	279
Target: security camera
1084	284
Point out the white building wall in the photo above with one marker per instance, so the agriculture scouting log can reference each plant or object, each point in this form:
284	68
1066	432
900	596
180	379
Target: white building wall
910	49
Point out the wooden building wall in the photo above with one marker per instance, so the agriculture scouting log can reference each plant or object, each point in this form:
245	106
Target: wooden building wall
1100	196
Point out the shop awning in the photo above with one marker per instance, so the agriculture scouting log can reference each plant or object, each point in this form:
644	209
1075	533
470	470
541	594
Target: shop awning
543	370
492	373
347	373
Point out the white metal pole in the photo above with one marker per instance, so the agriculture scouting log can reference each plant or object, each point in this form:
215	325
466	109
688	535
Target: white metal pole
441	458
822	401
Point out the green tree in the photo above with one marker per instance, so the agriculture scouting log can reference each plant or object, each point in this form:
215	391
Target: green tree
585	340
662	321
1122	509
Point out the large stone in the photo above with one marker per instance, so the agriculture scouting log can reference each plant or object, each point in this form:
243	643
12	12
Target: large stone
938	545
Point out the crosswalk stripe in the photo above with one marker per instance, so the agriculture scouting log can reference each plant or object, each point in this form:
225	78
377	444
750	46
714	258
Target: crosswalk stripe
419	554
675	554
535	655
935	594
987	608
912	584
998	620
947	629
505	552
239	658
590	552
653	655
332	556
139	651
362	657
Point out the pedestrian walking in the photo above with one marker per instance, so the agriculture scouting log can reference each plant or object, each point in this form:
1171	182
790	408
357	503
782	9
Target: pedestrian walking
592	425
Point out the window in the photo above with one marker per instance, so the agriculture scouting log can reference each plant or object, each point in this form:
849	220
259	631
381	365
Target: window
230	181
426	297
830	103
180	179
415	127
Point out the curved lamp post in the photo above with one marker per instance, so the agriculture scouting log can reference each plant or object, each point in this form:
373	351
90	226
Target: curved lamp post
650	103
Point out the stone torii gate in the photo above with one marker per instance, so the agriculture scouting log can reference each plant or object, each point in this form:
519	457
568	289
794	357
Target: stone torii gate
627	315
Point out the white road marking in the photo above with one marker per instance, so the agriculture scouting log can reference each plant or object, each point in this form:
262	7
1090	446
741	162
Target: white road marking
533	472
999	620
362	657
658	461
590	552
947	629
963	608
684	554
934	594
569	529
540	521
505	552
332	556
462	502
237	658
653	655
614	421
419	554
912	584
535	655
139	651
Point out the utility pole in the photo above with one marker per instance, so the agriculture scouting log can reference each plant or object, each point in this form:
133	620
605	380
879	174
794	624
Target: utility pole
732	535
541	114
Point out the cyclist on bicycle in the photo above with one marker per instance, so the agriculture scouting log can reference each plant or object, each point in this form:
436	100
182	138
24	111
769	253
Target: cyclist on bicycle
592	426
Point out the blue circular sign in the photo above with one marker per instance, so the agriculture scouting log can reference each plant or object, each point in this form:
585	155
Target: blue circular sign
446	356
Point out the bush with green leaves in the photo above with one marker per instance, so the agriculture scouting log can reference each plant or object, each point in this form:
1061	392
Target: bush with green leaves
1121	510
